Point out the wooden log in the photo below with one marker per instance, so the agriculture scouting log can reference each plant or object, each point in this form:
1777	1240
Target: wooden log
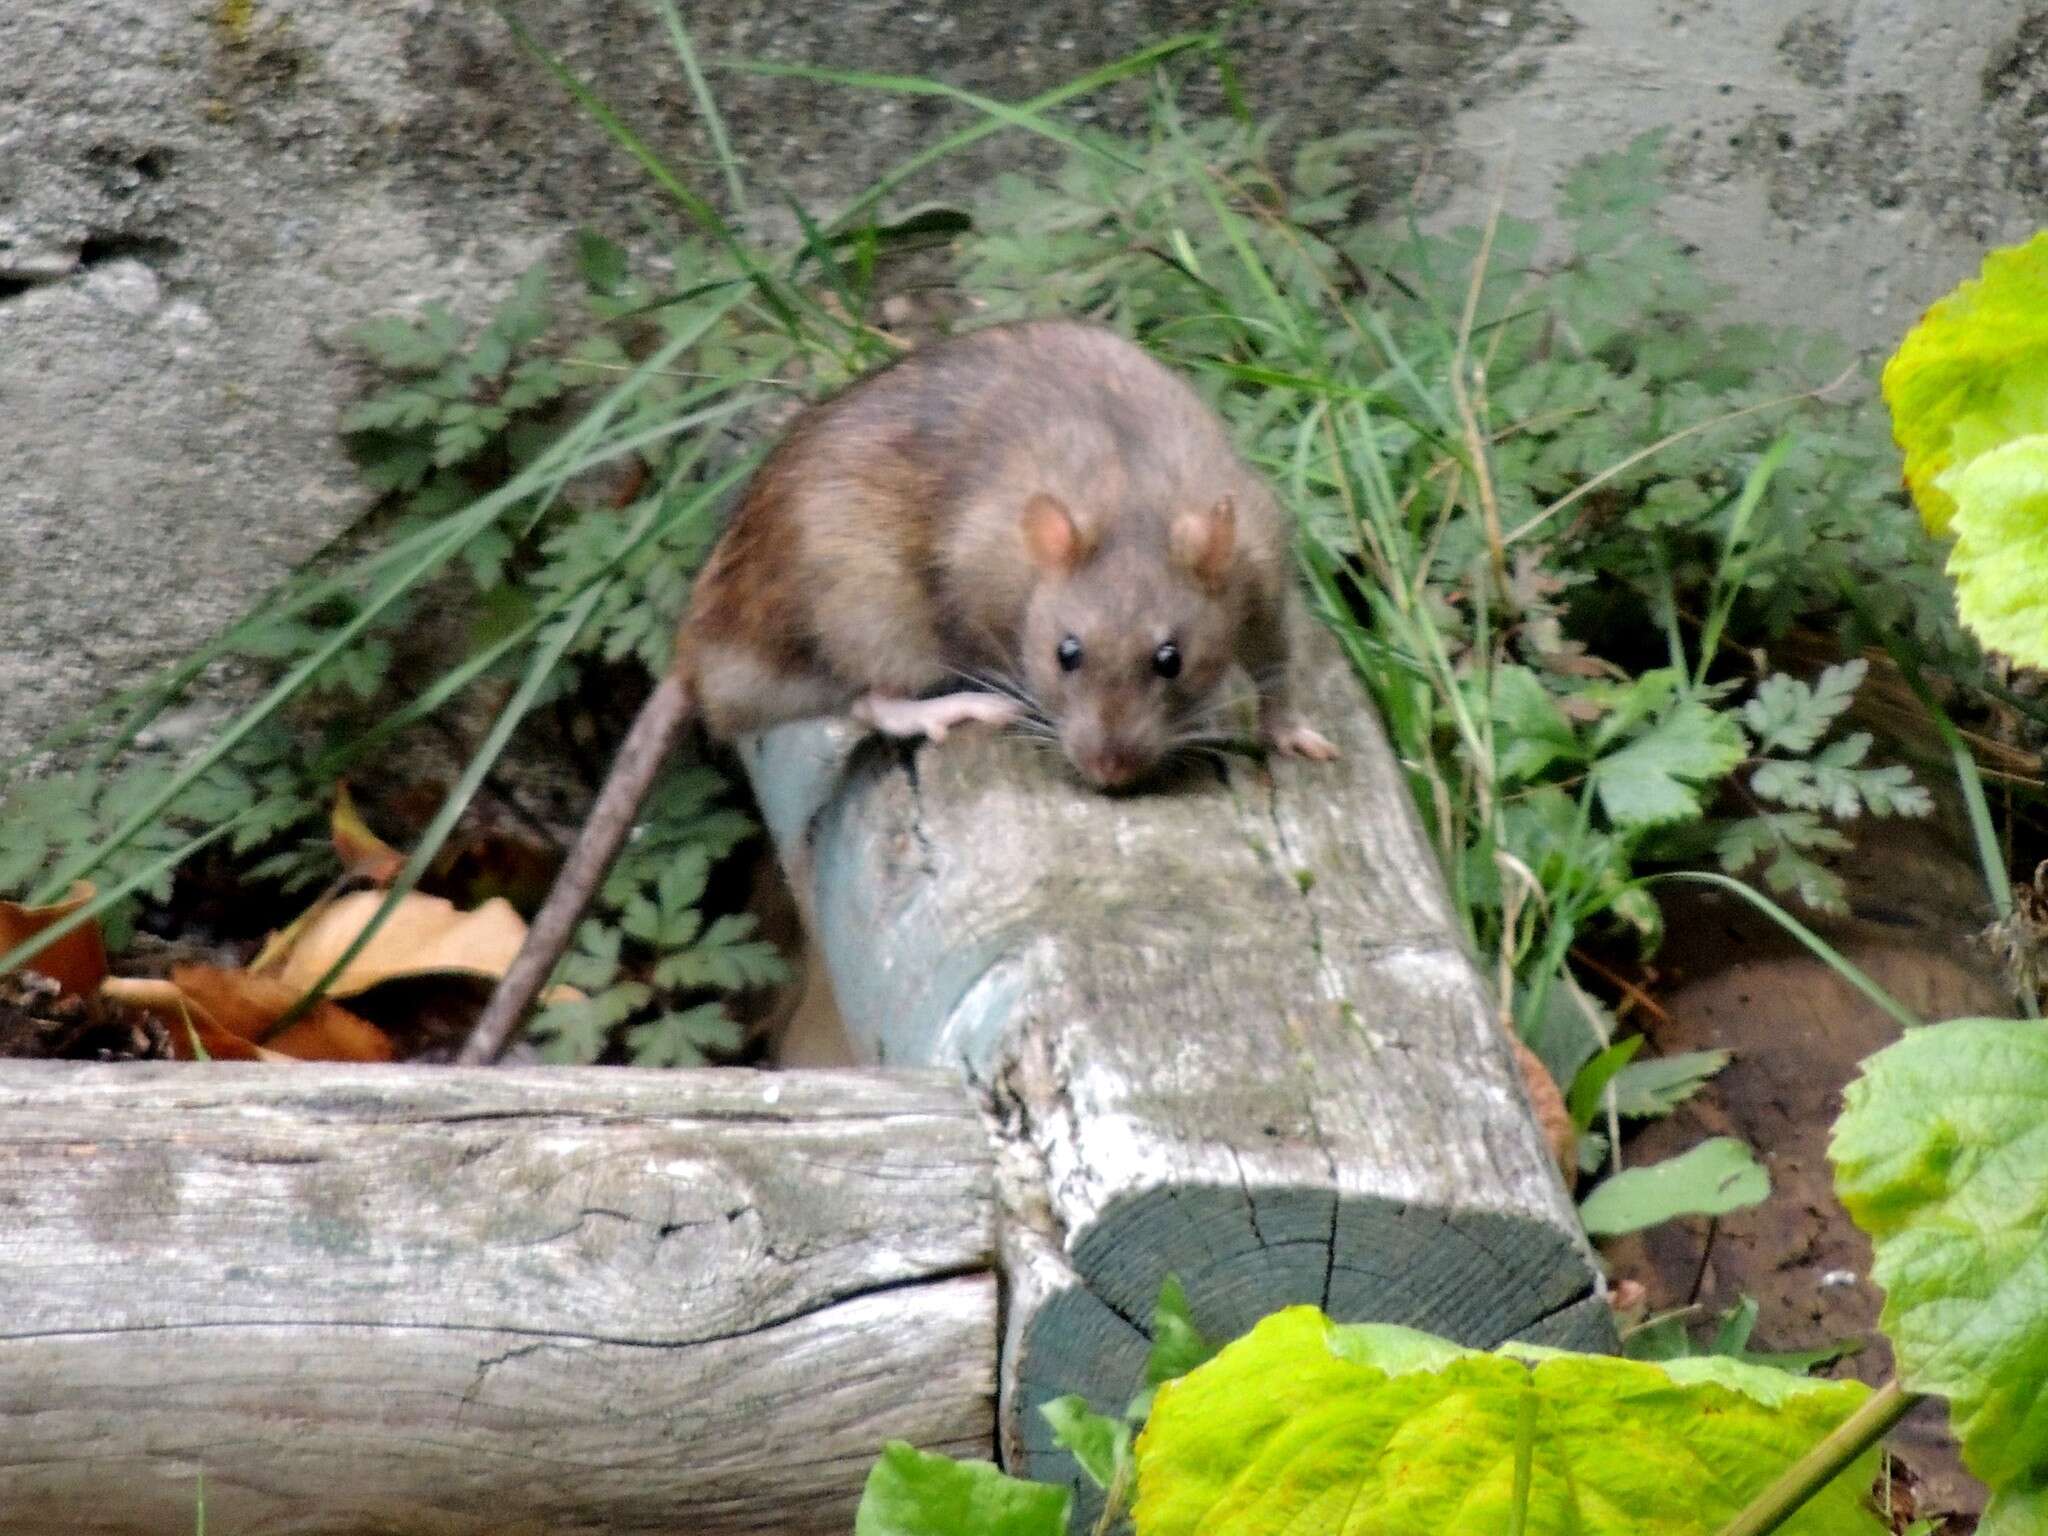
439	1301
1229	1026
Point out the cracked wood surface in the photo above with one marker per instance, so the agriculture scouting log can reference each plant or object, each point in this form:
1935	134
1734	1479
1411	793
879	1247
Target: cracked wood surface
1227	1026
430	1301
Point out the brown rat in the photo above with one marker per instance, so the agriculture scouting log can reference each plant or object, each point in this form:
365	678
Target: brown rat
1030	522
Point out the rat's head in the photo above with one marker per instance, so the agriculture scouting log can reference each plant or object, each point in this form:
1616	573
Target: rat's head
1125	646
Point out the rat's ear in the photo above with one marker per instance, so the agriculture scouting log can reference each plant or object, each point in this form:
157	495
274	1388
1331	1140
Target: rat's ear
1203	542
1051	535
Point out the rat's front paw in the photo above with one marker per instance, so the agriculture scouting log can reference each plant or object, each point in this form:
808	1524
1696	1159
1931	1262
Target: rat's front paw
1297	738
932	718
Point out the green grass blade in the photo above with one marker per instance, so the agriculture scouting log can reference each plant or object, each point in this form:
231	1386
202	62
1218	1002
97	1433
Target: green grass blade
819	248
1082	85
1730	574
564	459
707	104
1991	863
1004	113
569	612
115	894
546	658
694	205
1818	946
289	686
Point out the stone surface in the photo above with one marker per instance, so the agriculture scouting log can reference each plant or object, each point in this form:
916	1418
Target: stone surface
198	196
1840	164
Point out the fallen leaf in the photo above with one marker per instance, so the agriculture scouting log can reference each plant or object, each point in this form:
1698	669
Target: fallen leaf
1551	1114
232	1014
362	852
78	961
424	936
192	1031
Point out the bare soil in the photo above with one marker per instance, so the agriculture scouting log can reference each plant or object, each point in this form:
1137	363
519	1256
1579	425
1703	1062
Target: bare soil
1729	979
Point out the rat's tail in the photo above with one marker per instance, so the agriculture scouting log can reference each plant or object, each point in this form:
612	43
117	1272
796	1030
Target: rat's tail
645	749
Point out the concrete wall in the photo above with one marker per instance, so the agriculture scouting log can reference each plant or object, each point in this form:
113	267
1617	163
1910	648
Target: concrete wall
198	196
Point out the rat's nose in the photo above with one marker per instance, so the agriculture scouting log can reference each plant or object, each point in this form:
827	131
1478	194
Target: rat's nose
1113	767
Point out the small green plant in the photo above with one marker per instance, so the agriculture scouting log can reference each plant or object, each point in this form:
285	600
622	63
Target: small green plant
1671	1337
652	904
1306	1424
570	485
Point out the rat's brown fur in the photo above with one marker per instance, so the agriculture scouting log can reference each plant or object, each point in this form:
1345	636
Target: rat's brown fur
945	524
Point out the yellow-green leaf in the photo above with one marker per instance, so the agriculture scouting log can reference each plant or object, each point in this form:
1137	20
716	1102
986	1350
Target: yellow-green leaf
1941	1155
1972	374
2000	561
1306	1426
918	1493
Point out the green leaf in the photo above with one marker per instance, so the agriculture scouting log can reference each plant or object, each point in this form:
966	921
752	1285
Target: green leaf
1303	1426
914	1493
1737	1324
1645	1090
1668	1338
1587	1088
524	316
1562	1037
2015	1512
1834	782
1973	374
1792	873
579	1032
1531	732
686	1039
601	262
411	346
723	958
1941	1155
395	410
534	382
1787	715
2000	561
1628	705
1099	1443
1177	1344
1655	779
1711	1179
1741	843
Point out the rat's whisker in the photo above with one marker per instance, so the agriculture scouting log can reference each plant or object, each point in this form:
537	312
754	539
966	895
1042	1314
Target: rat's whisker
1184	752
1001	684
1211	711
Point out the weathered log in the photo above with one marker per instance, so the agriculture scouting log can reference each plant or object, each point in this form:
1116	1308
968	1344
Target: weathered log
438	1301
1229	1026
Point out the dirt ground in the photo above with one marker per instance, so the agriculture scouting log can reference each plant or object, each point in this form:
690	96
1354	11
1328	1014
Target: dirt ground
1729	979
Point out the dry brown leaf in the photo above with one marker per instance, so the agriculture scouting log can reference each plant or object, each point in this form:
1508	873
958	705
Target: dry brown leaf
184	1024
230	1014
362	852
1551	1114
424	936
232	1011
78	961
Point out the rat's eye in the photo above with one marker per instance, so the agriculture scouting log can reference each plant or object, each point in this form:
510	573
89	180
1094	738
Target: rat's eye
1069	654
1166	660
